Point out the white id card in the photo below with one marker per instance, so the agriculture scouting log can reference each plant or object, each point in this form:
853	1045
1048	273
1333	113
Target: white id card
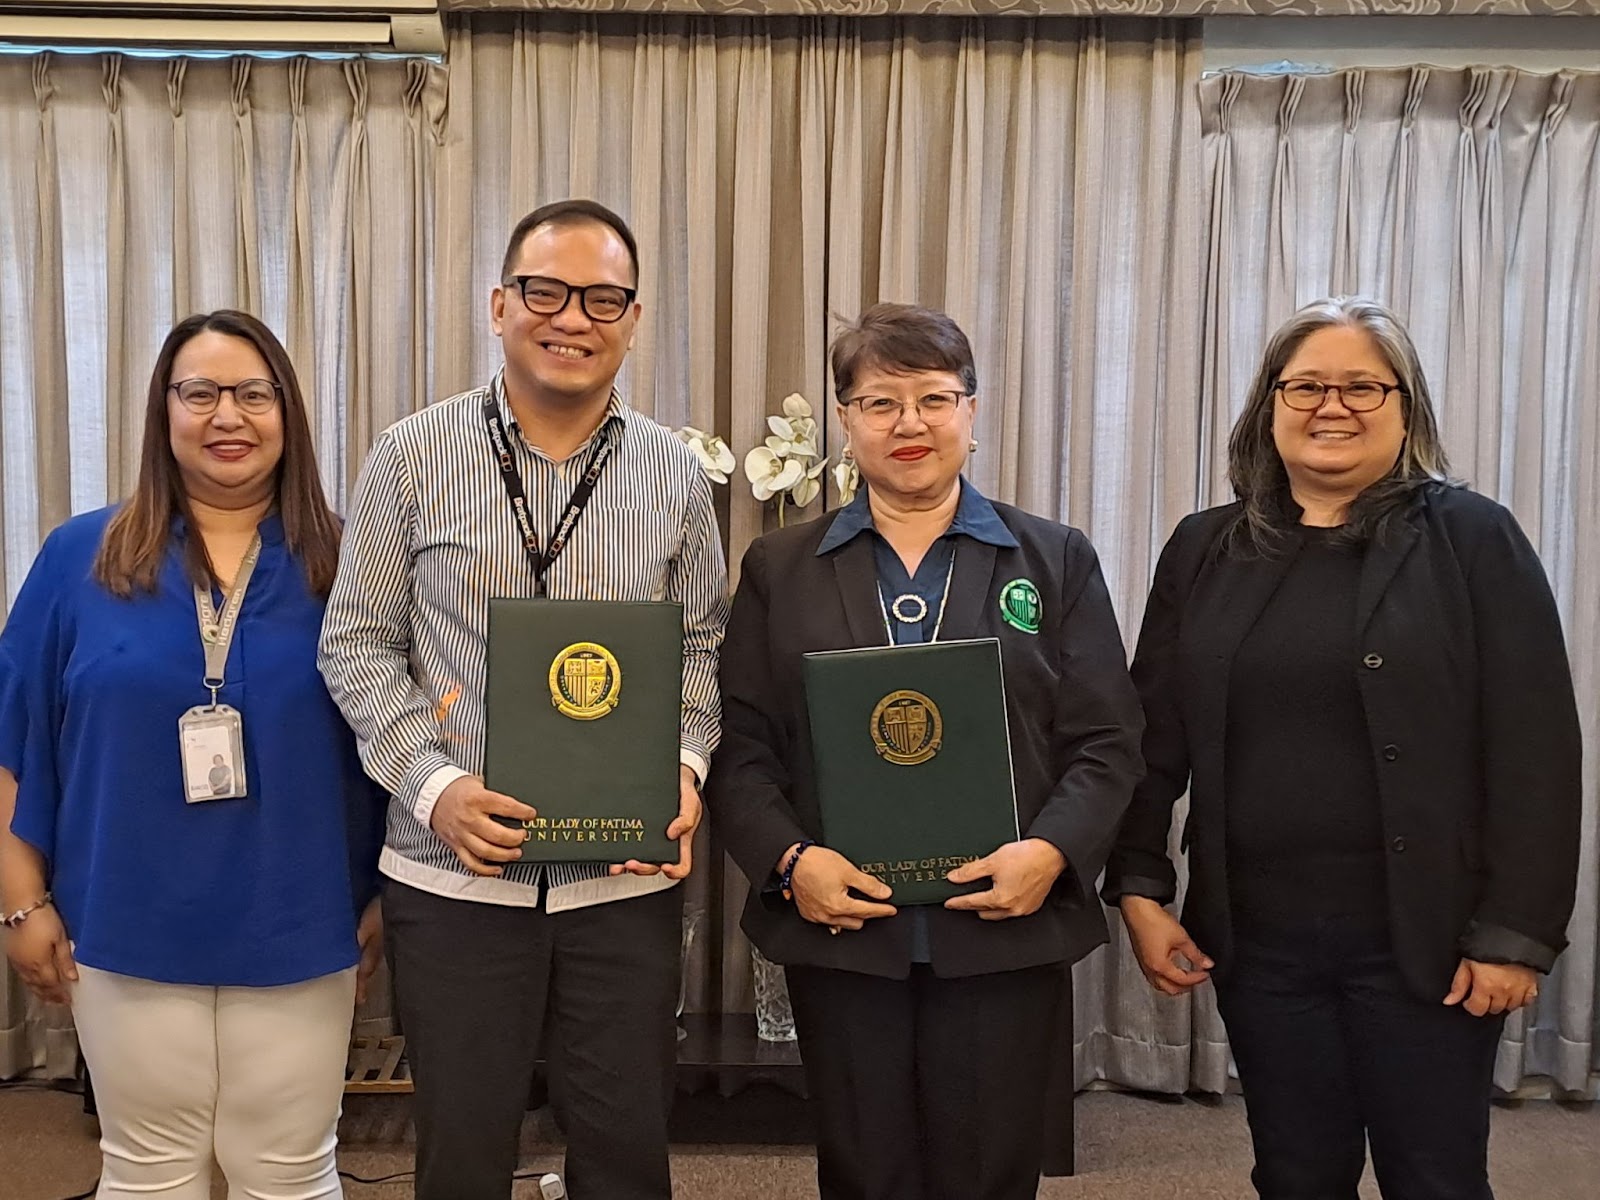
212	742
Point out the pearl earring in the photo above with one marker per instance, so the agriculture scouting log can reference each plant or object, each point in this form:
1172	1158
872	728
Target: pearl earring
972	446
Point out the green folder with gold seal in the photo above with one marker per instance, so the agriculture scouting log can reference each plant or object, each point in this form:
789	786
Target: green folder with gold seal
913	760
584	707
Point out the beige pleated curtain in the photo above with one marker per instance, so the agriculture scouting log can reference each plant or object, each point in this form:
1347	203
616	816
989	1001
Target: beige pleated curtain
1470	201
777	172
1045	181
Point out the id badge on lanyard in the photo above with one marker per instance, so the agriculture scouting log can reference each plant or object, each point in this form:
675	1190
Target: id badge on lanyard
211	736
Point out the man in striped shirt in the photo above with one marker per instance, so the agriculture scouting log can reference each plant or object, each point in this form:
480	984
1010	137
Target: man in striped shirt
488	953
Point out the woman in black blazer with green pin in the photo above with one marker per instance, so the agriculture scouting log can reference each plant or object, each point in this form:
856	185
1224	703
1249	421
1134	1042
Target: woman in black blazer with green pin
926	1031
1357	670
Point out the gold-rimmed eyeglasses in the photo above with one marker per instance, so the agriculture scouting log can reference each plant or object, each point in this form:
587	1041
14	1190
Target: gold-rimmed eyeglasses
884	412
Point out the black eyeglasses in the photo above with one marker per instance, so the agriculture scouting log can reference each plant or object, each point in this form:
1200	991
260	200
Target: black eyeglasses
602	302
1308	395
201	396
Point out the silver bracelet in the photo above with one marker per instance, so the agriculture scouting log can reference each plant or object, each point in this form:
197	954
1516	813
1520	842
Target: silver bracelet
21	915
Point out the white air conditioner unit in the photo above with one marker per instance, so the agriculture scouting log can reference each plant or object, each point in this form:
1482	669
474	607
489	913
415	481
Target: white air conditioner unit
402	26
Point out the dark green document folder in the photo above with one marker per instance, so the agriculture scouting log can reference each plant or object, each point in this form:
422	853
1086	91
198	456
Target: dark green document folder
584	711
913	760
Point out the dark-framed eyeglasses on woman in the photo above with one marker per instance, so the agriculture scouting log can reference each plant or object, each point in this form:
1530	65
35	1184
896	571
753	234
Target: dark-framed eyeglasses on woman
201	396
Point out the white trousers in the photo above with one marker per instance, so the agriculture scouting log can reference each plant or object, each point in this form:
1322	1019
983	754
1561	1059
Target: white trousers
249	1077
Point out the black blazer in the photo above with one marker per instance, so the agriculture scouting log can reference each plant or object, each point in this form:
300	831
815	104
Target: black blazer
1073	715
1470	717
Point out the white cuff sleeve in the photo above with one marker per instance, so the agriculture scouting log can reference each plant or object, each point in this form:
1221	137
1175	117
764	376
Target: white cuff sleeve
431	789
695	762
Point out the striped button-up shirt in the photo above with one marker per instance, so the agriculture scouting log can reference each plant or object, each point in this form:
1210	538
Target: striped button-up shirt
431	538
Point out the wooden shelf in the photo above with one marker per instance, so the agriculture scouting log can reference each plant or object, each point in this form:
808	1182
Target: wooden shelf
723	1045
728	1040
734	1088
377	1066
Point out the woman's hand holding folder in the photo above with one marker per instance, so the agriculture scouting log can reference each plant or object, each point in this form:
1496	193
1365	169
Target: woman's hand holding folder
1020	876
822	882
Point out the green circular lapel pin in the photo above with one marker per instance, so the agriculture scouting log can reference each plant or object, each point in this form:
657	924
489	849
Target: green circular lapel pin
1020	605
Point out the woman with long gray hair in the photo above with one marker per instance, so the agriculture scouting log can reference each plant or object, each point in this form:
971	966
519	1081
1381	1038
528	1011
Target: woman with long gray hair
1357	671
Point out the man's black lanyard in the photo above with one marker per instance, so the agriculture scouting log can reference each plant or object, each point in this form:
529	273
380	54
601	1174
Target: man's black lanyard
542	560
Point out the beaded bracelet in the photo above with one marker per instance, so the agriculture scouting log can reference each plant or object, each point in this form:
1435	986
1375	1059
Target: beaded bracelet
21	915
786	880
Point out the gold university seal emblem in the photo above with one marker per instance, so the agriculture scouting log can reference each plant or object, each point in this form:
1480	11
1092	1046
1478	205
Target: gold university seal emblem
907	728
585	681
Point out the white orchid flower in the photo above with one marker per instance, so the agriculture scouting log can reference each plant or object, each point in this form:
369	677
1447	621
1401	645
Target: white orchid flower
769	473
783	449
847	478
715	459
805	490
787	467
809	486
805	436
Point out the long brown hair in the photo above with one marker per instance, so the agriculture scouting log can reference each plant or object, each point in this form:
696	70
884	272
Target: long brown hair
1256	469
137	537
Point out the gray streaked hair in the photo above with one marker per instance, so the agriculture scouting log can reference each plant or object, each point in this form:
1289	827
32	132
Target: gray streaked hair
1255	469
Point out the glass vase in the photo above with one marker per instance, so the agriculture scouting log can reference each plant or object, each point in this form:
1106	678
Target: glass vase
774	1015
693	918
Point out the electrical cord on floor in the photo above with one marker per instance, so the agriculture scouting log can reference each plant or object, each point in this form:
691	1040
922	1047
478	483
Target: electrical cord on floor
399	1175
350	1175
75	1088
354	1178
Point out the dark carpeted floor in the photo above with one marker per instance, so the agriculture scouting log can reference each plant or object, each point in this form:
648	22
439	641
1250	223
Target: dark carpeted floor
1129	1148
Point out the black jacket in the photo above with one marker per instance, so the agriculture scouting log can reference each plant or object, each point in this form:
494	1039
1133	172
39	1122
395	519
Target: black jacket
1073	715
1470	717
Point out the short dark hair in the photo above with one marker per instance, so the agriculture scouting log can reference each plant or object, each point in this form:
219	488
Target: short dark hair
901	338
569	212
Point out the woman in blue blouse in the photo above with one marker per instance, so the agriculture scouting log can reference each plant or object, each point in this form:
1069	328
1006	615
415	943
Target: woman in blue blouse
188	844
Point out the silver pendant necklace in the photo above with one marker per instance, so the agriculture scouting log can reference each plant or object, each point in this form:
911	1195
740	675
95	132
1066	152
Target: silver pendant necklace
917	605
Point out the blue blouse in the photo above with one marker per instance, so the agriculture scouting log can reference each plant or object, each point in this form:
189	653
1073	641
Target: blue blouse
257	891
975	518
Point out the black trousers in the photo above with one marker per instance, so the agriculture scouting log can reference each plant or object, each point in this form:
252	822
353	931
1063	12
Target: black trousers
927	1088
1335	1051
476	986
